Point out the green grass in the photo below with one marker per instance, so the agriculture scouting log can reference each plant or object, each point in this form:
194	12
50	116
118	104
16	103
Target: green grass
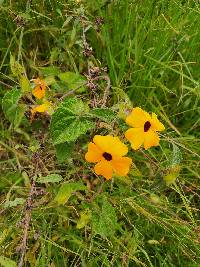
151	49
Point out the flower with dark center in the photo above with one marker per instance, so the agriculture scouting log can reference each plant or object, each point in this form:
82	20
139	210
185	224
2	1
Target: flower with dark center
46	107
144	129
107	156
39	90
147	126
108	153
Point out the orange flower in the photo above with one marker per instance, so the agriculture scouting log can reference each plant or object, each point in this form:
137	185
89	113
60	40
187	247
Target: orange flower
144	129
45	107
107	152
40	88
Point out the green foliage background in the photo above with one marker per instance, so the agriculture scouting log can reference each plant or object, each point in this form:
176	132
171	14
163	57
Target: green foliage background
151	50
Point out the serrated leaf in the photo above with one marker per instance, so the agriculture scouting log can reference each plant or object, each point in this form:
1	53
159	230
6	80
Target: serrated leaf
14	203
105	223
73	80
63	151
69	129
12	110
6	262
66	190
74	106
104	114
51	178
68	122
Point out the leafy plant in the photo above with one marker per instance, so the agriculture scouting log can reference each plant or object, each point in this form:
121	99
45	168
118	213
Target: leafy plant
88	176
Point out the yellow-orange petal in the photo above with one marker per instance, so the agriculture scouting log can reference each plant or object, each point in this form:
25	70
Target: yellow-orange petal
104	168
121	165
151	139
111	145
135	136
156	125
41	108
39	91
94	153
138	117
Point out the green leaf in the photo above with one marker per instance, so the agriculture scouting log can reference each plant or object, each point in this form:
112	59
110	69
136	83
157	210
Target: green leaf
66	190
172	175
13	111
16	68
63	151
75	106
14	203
104	114
49	80
73	80
84	219
50	70
6	262
51	178
24	84
177	156
69	121
72	128
105	223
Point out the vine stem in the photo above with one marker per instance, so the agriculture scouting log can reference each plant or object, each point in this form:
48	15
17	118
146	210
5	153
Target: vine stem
26	221
106	91
71	92
28	209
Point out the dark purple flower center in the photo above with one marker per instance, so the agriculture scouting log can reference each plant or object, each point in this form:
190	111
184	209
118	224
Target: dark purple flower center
107	156
147	126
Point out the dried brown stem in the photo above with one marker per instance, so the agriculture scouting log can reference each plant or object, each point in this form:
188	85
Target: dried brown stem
27	212
5	84
71	92
106	91
26	222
